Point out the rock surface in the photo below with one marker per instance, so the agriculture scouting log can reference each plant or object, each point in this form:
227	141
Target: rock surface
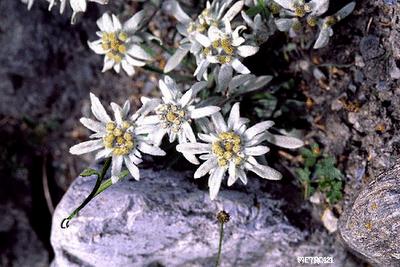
371	227
165	220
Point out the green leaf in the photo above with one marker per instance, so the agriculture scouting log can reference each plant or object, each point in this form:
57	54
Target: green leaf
304	174
89	172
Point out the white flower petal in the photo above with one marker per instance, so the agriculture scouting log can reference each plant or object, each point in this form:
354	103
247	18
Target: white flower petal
284	25
247	50
256	150
130	70
175	59
96	47
117	113
116	165
285	3
173	8
232	173
239	67
201	69
205	167
219	122
234	117
78	5
107	24
189	134
233	11
263	171
224	76
104	153
207	138
323	38
132	24
194	148
151	150
86	147
258	128
214	181
151	119
284	141
202	39
167	92
116	23
98	110
133	169
203	112
93	125
318	7
134	62
186	98
138	52
135	159
108	64
242	176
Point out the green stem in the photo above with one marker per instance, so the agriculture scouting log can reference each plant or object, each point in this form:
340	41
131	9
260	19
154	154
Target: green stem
221	236
153	69
106	166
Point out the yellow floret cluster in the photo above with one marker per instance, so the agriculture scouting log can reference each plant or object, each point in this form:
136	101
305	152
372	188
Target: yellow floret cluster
223	47
227	148
114	43
172	116
118	138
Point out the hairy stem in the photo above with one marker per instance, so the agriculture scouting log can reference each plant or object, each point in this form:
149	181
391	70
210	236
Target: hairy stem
100	177
221	237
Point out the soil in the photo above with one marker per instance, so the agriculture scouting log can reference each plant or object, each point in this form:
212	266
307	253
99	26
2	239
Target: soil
344	97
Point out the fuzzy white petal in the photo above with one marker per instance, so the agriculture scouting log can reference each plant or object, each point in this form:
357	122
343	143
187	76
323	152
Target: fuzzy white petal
204	111
151	150
205	167
133	169
215	182
98	110
93	125
86	147
194	148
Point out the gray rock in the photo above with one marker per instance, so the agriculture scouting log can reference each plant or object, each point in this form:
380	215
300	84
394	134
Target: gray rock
371	226
165	220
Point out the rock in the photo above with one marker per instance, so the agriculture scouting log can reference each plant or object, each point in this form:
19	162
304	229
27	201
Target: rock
165	220
371	226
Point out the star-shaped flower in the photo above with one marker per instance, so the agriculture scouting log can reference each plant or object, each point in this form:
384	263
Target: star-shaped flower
175	113
232	147
295	10
120	43
214	14
225	47
123	139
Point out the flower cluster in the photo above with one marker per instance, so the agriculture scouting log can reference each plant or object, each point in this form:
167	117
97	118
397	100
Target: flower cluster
192	113
295	15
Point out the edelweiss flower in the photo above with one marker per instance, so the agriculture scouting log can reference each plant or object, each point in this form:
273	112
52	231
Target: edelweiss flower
119	44
214	14
326	25
297	9
122	138
232	147
76	5
175	113
225	47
